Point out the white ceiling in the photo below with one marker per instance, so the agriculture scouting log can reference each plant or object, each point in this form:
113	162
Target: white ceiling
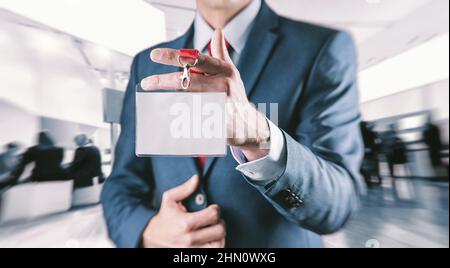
361	17
47	50
122	25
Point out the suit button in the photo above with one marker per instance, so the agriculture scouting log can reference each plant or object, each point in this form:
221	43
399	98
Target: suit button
200	199
292	202
289	199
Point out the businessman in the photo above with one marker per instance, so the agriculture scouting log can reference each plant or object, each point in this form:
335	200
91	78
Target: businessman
46	158
86	164
302	183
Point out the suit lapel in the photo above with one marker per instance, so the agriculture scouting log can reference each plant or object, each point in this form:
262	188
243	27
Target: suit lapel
258	48
209	163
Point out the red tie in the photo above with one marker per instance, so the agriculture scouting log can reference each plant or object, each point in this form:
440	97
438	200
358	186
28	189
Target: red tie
202	161
202	158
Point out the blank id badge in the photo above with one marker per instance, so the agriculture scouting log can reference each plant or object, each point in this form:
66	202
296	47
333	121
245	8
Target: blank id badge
173	123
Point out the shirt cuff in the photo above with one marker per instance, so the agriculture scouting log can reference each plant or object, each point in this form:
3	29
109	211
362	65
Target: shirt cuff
268	168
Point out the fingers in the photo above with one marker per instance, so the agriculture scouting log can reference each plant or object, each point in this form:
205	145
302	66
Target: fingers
209	235
217	50
171	81
205	217
182	191
205	64
218	46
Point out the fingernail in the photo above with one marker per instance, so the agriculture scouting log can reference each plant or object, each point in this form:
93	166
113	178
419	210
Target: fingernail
155	54
146	83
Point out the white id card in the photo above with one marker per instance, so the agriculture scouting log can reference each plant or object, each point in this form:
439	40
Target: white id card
180	124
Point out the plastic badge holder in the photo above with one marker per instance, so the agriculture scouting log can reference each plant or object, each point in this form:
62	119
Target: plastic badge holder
172	123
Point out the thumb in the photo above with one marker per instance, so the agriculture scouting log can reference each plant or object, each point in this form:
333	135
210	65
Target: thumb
218	46
183	191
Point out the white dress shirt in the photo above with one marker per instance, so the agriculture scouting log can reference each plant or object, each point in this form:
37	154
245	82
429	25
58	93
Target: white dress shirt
236	33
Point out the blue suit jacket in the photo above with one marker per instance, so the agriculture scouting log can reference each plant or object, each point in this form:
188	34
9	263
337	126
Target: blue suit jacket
310	71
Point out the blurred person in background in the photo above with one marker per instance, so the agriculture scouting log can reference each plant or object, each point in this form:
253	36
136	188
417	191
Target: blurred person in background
370	165
86	164
395	149
46	158
432	138
9	159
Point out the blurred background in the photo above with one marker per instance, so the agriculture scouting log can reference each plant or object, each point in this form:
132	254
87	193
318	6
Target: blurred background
64	65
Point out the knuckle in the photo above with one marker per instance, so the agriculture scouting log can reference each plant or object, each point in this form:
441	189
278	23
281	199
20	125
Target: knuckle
215	213
229	70
223	87
189	240
186	224
166	54
166	196
156	80
175	79
227	83
221	230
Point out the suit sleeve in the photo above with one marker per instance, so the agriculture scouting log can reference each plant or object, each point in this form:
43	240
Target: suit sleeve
126	195
320	186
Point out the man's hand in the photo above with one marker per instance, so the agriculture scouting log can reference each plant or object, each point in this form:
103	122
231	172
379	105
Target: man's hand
247	128
174	227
